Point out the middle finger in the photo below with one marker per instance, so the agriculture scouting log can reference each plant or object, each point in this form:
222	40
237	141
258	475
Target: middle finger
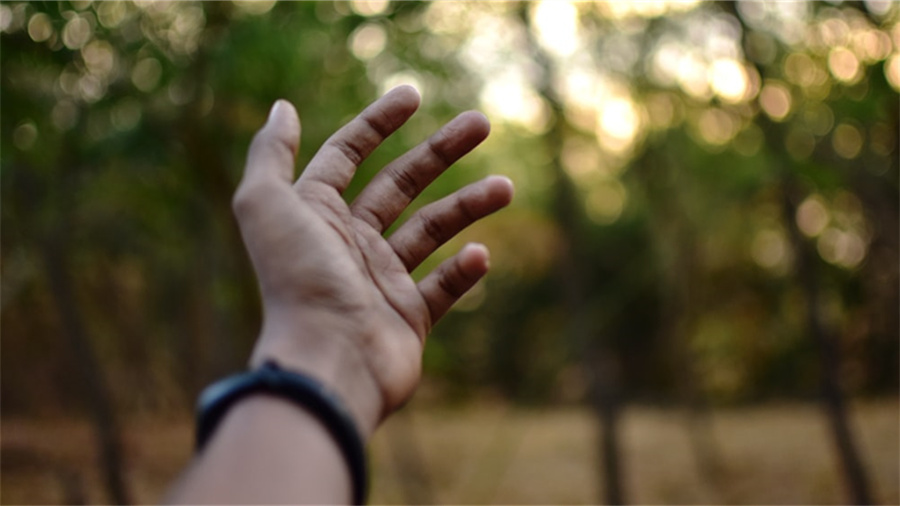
392	189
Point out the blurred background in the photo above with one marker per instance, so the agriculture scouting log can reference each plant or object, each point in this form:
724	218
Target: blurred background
694	296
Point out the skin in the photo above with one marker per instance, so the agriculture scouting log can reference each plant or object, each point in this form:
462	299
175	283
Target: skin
338	299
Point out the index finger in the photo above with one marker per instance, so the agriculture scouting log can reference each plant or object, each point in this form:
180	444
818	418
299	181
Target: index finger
336	162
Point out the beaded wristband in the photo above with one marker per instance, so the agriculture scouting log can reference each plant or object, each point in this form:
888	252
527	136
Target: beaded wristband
304	391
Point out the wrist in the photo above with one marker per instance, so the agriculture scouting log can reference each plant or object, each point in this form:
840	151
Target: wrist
267	418
322	347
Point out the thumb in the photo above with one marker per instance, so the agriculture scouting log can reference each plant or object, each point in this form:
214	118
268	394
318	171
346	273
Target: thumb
275	146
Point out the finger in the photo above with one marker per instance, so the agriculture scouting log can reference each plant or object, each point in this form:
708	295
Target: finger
272	152
343	152
446	284
436	223
270	160
392	189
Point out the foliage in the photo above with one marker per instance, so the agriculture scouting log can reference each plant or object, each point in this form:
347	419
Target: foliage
678	129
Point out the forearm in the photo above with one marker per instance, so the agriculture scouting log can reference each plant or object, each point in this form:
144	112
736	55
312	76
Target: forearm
267	450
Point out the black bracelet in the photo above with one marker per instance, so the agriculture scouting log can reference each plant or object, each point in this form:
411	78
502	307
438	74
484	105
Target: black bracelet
217	398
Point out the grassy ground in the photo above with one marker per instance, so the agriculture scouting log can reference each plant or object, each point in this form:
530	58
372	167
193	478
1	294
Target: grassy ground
777	454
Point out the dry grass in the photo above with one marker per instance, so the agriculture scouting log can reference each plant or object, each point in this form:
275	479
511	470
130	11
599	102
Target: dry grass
496	454
768	455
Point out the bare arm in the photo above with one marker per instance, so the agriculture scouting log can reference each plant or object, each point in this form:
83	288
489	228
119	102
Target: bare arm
338	300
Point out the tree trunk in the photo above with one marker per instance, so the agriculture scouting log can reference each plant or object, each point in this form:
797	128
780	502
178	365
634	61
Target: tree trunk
681	292
408	456
807	276
607	410
599	360
834	403
96	394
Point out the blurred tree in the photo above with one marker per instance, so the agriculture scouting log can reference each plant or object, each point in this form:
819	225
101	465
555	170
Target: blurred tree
608	70
652	145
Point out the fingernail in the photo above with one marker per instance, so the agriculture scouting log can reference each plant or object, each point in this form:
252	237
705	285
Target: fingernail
506	192
503	178
275	110
485	252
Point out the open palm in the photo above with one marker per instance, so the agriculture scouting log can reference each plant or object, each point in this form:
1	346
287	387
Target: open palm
338	298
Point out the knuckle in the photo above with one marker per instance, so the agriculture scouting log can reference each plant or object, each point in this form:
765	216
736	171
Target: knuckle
452	281
246	198
240	201
447	286
374	219
464	208
432	227
439	151
352	152
405	182
383	125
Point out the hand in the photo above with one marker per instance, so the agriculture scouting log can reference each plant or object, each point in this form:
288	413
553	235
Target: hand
338	299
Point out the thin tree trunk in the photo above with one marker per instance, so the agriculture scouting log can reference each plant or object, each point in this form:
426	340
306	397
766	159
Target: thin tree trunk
834	403
598	360
95	391
805	261
407	454
602	370
608	412
681	293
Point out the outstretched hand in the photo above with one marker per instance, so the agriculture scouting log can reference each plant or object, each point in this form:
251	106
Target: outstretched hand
338	298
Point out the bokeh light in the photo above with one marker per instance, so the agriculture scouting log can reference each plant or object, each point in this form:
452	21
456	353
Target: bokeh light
557	25
847	140
254	7
606	201
39	27
25	135
844	65
508	98
812	216
146	74
892	71
729	80
77	32
775	100
368	41
770	250
618	123
369	7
